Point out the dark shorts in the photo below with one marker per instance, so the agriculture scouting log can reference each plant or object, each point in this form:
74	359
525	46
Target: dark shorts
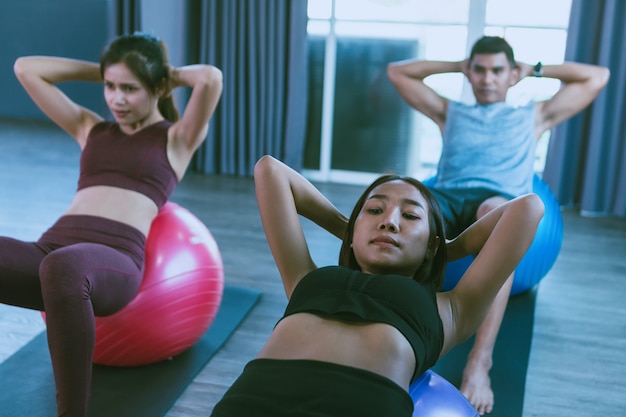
459	206
306	388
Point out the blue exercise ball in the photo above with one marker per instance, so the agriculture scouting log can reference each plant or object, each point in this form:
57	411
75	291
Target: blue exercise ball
434	396
544	250
541	254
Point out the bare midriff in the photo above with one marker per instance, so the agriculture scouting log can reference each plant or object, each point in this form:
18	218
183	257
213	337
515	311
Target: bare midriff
375	347
124	206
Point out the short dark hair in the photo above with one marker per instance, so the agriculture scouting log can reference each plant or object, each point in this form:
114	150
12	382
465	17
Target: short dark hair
432	271
493	45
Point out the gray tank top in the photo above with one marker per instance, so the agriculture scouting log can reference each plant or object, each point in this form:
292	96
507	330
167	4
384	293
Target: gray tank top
488	146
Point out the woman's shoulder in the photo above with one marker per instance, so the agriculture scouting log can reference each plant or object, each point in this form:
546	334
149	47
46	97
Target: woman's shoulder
114	127
342	272
327	270
101	126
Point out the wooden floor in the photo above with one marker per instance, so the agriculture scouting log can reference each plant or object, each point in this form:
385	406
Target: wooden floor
578	358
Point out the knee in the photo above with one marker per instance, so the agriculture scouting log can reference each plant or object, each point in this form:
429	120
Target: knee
488	205
62	276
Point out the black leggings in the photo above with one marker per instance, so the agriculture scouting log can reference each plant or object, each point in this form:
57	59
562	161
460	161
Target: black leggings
83	266
309	388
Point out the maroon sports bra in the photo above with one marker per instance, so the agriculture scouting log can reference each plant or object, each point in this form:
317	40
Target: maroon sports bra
136	162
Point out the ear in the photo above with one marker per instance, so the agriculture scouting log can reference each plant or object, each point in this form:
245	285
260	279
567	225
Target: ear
515	73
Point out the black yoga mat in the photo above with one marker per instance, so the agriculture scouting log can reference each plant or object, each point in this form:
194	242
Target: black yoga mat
27	384
510	358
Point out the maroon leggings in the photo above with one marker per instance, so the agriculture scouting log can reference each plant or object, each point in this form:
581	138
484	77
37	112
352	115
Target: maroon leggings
83	266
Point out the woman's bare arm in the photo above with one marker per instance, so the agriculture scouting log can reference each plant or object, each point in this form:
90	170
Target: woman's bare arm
205	82
283	195
39	74
500	239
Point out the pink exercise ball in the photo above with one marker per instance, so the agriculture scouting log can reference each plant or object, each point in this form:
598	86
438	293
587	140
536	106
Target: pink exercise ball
178	299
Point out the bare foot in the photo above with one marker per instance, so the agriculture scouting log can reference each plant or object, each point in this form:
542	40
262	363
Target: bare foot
476	386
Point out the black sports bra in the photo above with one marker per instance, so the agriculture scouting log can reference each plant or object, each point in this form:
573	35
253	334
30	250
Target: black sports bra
340	293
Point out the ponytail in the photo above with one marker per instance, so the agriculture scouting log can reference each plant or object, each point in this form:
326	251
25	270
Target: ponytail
166	102
146	57
167	108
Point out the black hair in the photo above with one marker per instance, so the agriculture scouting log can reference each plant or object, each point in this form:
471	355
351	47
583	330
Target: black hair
146	57
493	45
432	270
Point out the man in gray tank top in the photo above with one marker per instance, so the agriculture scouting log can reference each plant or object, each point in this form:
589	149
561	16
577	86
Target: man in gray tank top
488	152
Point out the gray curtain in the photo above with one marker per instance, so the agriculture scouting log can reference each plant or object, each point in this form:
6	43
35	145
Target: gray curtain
260	46
586	161
124	17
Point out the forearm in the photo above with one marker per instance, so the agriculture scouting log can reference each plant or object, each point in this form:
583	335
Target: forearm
574	72
283	196
456	250
513	215
206	89
570	72
581	84
308	200
313	205
501	238
421	69
56	69
408	77
195	75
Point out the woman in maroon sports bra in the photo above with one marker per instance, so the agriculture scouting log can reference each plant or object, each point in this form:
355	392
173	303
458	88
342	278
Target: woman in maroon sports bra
89	263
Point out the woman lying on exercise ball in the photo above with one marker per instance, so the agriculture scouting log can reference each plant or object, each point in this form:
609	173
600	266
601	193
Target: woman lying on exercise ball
354	336
90	261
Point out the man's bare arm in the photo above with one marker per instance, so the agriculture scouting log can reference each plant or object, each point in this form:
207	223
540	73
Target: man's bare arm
408	78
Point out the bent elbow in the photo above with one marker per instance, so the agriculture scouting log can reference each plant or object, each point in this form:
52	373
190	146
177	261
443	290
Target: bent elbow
215	75
598	80
211	80
19	66
604	76
393	72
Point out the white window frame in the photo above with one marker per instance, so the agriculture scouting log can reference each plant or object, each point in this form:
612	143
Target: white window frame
475	29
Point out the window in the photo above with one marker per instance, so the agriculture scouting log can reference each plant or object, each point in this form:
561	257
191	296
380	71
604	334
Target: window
358	125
